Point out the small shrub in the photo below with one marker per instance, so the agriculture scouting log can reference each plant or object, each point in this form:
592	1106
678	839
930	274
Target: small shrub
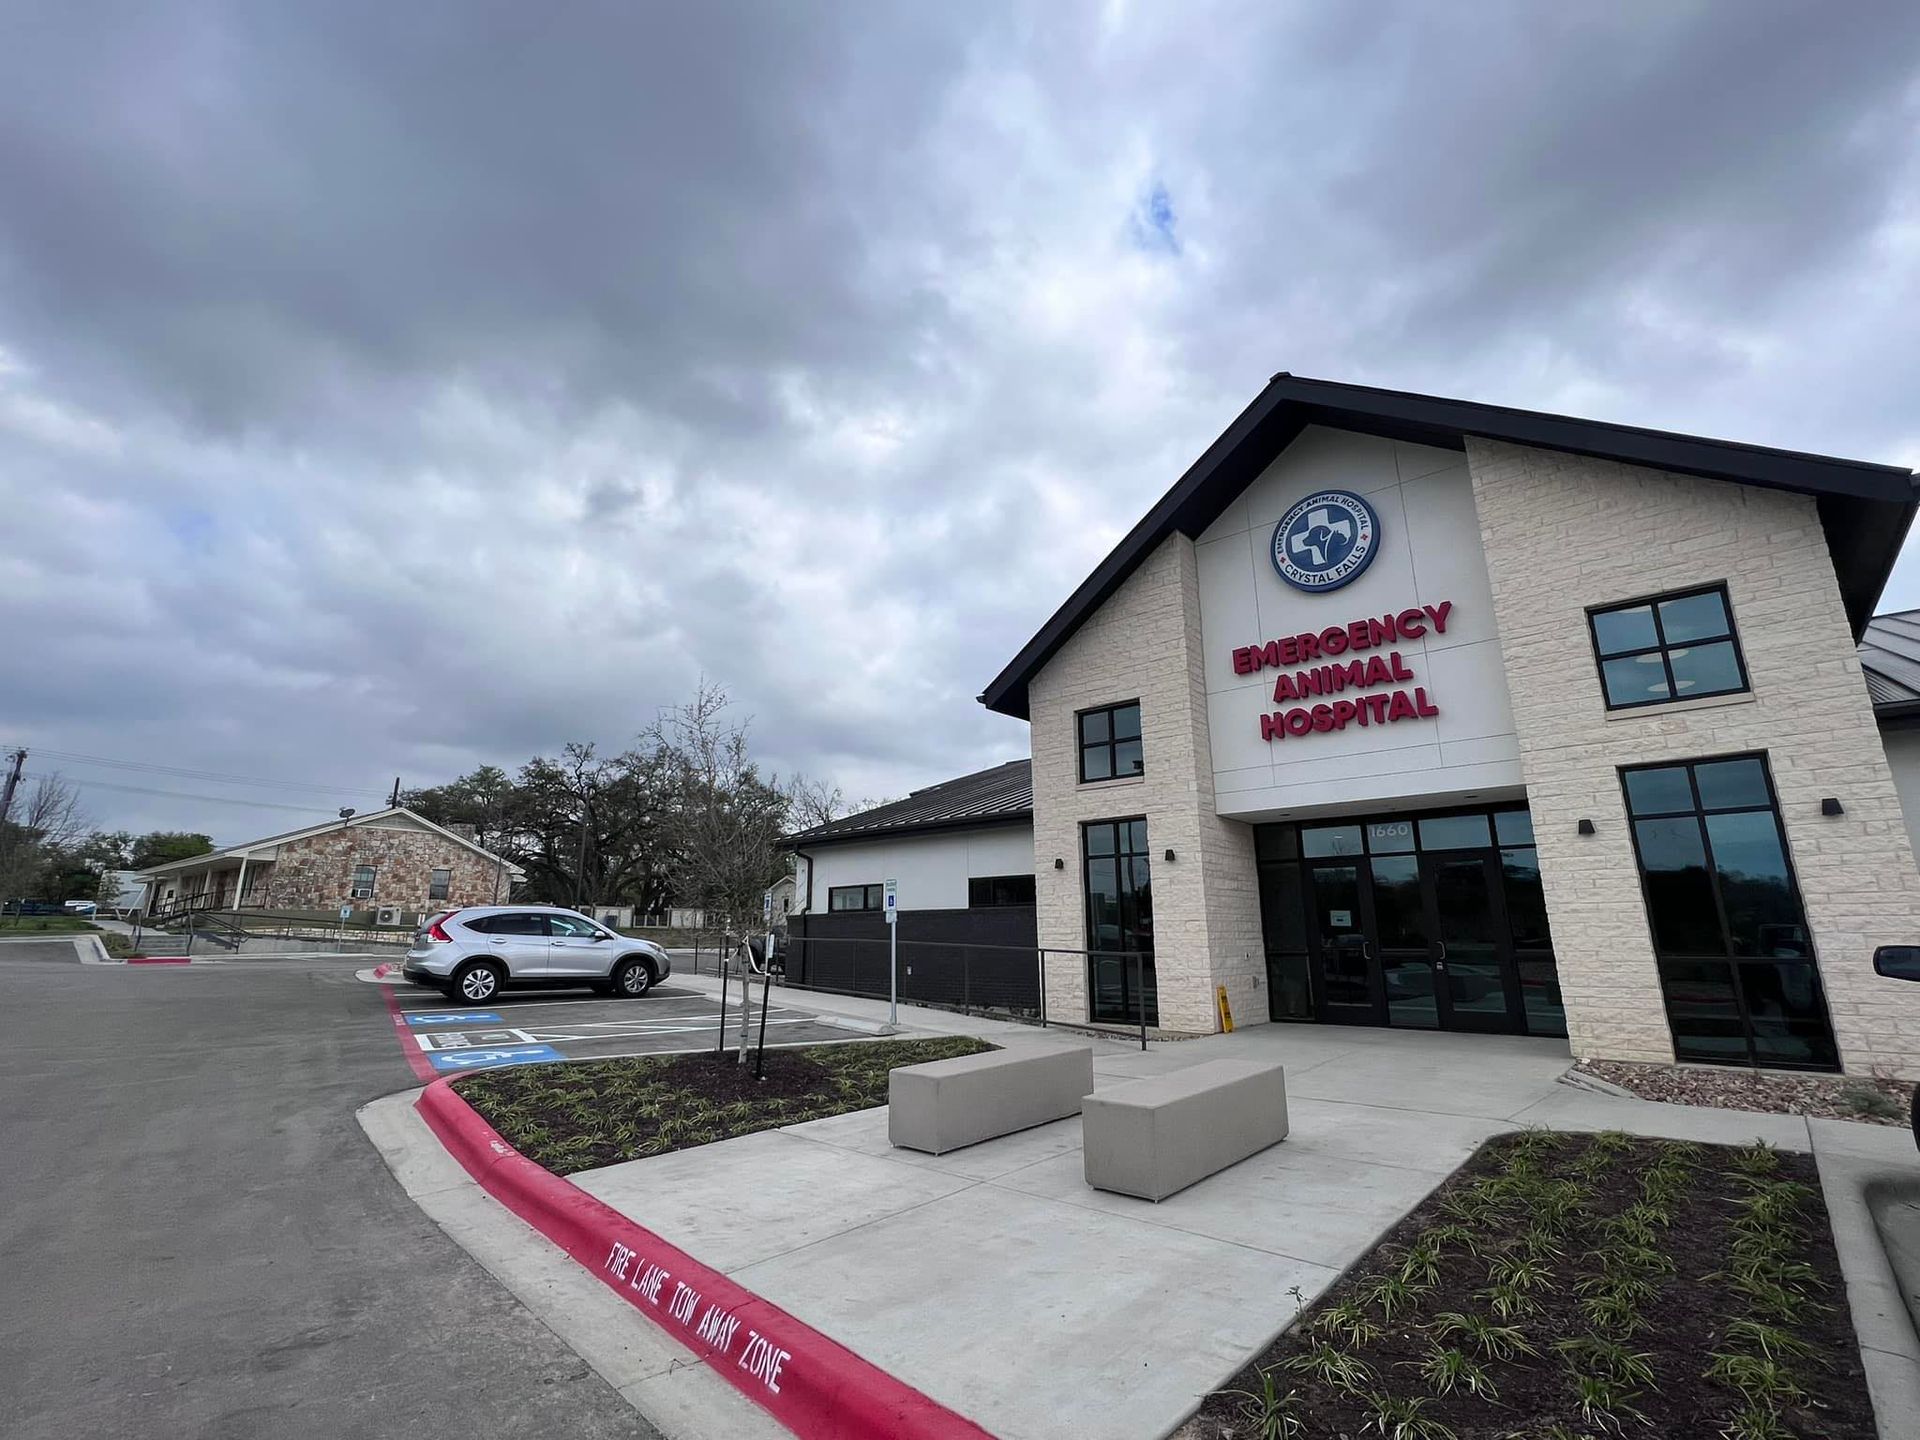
1859	1098
1603	1402
1447	1370
1270	1410
1608	1358
1756	1377
1496	1342
1331	1366
1396	1418
1392	1293
1756	1420
1349	1322
1522	1272
1758	1158
1770	1340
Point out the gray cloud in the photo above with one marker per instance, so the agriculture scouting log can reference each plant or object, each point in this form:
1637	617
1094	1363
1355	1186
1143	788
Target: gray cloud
395	388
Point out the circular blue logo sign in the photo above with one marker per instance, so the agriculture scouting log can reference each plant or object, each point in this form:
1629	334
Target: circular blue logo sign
1325	541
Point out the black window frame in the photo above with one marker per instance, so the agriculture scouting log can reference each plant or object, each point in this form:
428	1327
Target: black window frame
437	888
1725	955
1147	973
1082	745
994	890
372	886
873	898
1665	648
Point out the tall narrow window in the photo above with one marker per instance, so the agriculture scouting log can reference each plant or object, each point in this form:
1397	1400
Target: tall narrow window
1120	978
1672	647
362	883
1736	959
439	884
1110	742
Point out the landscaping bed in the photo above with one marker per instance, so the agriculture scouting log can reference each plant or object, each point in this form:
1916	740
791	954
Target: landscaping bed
1561	1286
45	925
1870	1098
579	1116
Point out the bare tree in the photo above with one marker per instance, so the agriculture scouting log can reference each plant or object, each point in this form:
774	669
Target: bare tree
813	802
44	818
725	817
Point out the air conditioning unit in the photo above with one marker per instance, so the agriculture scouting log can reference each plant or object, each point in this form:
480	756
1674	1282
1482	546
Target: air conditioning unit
387	915
360	892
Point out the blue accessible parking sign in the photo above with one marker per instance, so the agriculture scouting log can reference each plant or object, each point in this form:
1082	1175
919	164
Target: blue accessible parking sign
453	1017
488	1059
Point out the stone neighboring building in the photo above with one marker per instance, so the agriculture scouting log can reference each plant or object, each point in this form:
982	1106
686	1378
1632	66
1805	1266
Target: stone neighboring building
391	864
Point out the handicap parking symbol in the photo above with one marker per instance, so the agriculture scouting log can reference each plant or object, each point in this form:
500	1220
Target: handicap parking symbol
489	1059
453	1017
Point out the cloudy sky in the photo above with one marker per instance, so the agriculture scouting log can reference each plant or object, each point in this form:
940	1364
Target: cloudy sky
386	389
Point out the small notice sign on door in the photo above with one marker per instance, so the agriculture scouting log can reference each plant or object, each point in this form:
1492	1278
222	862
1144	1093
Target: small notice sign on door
1340	919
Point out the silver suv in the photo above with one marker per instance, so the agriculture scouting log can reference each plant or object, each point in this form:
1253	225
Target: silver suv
473	954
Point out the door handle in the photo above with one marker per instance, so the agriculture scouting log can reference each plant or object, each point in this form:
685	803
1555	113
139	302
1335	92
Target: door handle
1441	963
1366	949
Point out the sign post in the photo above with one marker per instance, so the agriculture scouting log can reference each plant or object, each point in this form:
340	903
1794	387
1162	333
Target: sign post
892	910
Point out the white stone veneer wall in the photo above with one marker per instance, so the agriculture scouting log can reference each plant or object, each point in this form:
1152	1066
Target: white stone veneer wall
1563	532
1144	643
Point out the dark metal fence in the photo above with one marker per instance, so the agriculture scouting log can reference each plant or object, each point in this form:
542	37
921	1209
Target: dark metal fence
973	978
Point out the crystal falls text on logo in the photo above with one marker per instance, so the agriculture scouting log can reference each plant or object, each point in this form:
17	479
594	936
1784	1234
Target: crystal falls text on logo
1301	679
1325	541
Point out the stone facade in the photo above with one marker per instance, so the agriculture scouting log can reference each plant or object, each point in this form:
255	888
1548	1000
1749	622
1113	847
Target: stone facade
1562	533
316	872
1144	644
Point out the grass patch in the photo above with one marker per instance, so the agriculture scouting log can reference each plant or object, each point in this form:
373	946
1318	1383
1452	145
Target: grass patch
44	925
578	1116
1573	1287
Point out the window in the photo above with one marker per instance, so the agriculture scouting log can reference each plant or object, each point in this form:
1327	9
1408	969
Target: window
1735	956
571	927
984	891
1120	977
1110	742
856	897
362	883
439	884
1672	647
520	922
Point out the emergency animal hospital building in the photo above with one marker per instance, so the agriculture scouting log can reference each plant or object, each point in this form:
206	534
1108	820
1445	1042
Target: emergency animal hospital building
1404	711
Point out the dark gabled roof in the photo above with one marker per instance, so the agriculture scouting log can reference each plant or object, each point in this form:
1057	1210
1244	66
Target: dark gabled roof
998	796
1890	657
1865	509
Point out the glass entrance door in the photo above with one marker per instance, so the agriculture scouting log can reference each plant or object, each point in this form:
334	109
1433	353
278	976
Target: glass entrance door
1472	955
1339	933
1426	921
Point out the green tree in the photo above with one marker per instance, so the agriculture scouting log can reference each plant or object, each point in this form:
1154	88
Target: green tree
163	847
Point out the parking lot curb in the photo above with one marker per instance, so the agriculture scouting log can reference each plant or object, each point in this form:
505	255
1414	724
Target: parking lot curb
813	1385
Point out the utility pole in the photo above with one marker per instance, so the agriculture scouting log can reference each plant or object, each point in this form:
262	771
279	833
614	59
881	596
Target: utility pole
393	800
13	783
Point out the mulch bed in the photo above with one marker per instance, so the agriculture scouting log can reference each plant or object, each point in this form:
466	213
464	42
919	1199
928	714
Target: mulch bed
1676	1329
578	1116
1833	1097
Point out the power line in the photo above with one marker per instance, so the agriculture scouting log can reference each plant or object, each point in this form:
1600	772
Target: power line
215	776
184	795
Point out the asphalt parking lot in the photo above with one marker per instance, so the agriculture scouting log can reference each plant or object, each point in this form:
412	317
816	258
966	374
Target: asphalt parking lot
531	1027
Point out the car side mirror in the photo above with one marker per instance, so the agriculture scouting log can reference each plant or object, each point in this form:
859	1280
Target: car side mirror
1897	962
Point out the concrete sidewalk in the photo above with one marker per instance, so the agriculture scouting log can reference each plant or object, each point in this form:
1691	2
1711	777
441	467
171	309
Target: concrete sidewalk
994	1280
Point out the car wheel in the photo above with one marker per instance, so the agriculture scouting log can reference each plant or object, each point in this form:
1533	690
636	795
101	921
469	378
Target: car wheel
632	979
478	982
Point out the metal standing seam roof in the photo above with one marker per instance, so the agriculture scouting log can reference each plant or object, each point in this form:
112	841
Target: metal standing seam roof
1890	658
987	797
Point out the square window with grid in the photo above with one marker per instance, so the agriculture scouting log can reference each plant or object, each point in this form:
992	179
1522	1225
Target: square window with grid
362	883
1670	647
1110	746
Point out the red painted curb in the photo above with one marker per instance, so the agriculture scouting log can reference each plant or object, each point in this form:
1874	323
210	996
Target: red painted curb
158	960
814	1386
422	1067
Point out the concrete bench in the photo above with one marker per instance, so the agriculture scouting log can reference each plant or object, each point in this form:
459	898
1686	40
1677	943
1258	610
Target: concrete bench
945	1104
1156	1136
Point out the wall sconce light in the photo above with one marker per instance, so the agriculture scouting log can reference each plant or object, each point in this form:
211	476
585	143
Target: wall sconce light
1585	827
1831	806
1169	857
1058	863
